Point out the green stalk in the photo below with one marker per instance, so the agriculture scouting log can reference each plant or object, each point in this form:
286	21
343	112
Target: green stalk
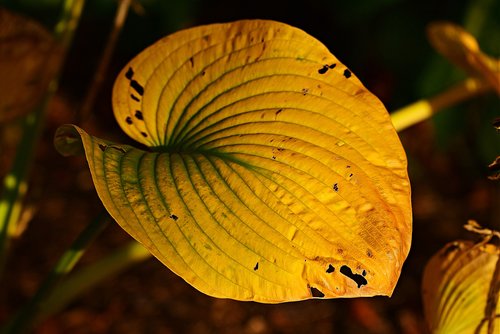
424	109
55	292
14	184
88	277
24	320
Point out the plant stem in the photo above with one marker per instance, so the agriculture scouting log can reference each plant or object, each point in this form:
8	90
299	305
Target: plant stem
24	319
14	184
86	278
424	109
95	87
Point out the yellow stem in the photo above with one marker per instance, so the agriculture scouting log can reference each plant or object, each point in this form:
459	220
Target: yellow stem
424	109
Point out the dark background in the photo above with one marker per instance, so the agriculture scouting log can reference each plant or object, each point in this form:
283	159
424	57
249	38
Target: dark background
383	43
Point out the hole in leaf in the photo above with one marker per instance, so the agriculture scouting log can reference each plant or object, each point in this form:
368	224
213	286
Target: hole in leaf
138	115
330	269
129	74
137	87
316	293
359	279
323	70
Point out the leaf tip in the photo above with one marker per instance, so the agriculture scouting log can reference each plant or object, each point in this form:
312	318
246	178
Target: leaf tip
68	140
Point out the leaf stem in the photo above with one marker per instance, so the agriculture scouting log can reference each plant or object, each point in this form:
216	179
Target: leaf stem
24	319
424	109
14	183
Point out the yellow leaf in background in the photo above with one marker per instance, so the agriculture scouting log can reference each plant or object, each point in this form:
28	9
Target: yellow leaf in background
462	49
455	288
271	173
27	63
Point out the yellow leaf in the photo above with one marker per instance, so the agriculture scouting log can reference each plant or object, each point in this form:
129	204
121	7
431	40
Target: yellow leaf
455	288
272	174
462	49
28	56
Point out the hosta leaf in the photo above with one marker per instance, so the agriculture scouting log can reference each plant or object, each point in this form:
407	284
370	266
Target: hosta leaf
455	288
28	56
271	173
462	49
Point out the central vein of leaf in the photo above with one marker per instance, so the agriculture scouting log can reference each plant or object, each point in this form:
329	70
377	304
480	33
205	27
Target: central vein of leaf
179	149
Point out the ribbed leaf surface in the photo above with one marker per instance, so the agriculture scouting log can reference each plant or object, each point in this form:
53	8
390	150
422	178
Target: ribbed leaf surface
272	174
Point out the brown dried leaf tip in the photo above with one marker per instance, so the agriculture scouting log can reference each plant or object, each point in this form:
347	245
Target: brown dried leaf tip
495	167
